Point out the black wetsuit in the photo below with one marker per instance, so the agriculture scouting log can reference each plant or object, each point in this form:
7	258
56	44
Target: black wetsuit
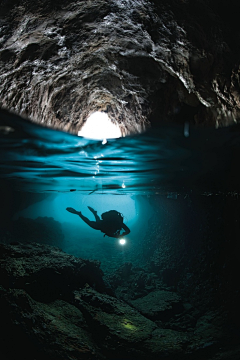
109	228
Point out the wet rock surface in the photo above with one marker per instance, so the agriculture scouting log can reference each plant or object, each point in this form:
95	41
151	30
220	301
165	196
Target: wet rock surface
57	306
56	330
159	305
52	274
140	61
200	261
132	282
119	327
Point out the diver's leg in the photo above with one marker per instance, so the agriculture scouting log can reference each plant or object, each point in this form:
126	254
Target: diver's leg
92	224
94	213
71	210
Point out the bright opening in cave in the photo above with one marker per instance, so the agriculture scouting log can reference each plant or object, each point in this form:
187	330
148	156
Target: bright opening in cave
98	126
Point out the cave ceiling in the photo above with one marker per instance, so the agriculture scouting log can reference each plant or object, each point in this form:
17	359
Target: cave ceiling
142	62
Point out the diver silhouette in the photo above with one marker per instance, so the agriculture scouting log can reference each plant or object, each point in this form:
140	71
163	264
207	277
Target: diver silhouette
111	223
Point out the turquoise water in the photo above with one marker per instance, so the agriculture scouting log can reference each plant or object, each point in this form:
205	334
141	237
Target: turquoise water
151	178
38	159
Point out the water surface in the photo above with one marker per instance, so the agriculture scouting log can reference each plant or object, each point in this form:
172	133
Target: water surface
39	159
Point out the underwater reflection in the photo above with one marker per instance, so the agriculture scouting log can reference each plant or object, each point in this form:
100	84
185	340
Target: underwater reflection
34	158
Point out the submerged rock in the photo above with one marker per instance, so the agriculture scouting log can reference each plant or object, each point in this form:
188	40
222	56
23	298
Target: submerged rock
167	343
57	307
131	282
116	326
53	331
159	305
45	272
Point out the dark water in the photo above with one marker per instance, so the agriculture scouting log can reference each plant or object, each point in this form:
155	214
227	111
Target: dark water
157	180
178	190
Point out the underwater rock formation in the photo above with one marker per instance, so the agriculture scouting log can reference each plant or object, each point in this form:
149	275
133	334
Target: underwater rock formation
198	261
159	305
116	325
57	307
131	282
142	62
44	330
46	272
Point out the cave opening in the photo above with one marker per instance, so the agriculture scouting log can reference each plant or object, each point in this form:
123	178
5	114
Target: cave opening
98	126
161	80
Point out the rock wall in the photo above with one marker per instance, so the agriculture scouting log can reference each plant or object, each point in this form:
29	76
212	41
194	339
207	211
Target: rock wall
195	251
57	307
141	61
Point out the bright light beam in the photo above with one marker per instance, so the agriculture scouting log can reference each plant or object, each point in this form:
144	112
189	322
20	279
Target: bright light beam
98	126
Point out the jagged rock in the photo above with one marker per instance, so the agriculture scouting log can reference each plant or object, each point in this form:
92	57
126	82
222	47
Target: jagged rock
166	342
116	326
45	272
53	331
55	306
131	282
140	61
184	321
159	305
103	328
209	329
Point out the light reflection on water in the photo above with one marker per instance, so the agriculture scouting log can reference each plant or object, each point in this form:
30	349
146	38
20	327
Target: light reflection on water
187	245
159	160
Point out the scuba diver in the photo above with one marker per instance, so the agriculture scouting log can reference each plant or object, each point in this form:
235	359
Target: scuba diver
111	223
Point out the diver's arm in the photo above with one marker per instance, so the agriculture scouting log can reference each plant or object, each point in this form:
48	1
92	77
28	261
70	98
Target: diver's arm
117	236
127	230
114	236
